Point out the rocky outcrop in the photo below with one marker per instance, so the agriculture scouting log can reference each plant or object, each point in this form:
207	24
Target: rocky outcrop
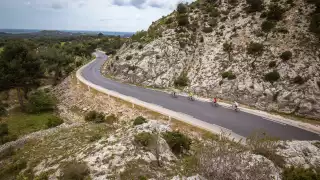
301	153
202	57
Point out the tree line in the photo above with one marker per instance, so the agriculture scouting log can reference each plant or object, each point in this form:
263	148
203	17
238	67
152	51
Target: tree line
25	64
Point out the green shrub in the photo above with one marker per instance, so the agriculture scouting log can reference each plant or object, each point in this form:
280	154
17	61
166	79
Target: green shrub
298	80
275	12
254	5
272	64
110	119
177	141
201	39
139	36
182	44
7	138
129	57
227	46
223	19
264	145
181	81
299	173
42	176
272	76
213	22
282	30
267	26
94	116
4	129
214	12
169	20
132	68
95	137
207	29
315	24
220	82
158	56
13	168
182	8
232	76
140	47
3	110
285	56
255	49
40	101
139	120
183	20
229	75
233	2
8	152
143	139
271	155
74	171
117	57
54	121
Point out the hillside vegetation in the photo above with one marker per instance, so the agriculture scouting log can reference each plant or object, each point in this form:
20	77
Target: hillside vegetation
261	53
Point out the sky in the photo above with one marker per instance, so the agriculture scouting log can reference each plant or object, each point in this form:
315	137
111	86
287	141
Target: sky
96	15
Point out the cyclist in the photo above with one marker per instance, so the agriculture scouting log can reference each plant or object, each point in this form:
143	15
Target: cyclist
191	95
236	105
214	101
174	92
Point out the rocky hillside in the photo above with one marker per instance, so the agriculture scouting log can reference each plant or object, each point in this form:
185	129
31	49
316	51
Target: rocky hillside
260	53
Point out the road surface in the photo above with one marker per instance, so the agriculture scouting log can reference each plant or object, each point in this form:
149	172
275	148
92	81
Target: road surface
241	123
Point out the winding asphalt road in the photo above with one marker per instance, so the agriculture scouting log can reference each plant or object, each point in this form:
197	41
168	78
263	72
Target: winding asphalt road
241	123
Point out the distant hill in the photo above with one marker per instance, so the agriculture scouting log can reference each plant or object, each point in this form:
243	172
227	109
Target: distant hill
23	33
45	33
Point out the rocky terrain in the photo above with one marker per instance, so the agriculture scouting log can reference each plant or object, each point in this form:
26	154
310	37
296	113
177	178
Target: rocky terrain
265	56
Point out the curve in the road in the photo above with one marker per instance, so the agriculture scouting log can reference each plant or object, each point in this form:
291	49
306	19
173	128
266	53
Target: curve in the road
241	123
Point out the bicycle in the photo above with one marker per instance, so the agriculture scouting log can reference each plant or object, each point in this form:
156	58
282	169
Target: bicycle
174	94
215	104
191	98
235	108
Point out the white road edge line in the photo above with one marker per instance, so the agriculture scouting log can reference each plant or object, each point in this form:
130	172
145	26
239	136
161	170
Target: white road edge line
274	121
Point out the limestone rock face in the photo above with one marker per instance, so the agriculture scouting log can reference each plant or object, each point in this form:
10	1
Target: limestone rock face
301	153
162	60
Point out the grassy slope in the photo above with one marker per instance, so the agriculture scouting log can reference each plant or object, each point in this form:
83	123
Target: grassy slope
20	123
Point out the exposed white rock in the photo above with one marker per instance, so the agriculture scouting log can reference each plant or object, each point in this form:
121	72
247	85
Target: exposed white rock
196	177
301	153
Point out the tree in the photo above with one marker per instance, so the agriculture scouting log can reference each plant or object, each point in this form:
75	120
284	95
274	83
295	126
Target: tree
19	68
275	12
285	56
100	35
183	20
267	26
58	62
182	8
227	47
255	5
272	76
315	24
255	49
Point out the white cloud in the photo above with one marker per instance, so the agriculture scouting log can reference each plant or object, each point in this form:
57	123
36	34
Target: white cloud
169	4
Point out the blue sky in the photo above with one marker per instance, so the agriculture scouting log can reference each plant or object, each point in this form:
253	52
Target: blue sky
100	15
